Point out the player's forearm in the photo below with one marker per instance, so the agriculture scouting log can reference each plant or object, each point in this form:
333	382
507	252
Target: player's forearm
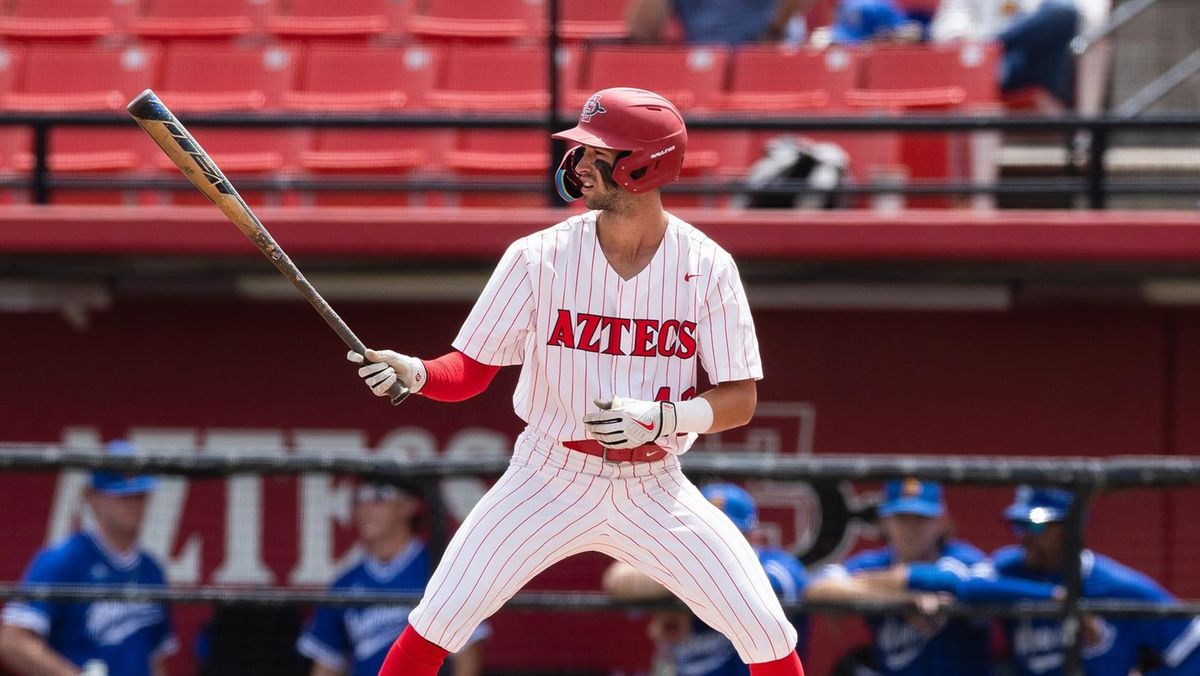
319	669
733	404
456	377
623	581
885	586
28	655
647	18
469	661
159	668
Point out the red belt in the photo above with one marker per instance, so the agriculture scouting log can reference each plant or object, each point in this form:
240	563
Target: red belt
643	453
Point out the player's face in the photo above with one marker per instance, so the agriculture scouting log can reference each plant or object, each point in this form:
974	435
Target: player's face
379	517
119	515
1042	543
912	537
599	192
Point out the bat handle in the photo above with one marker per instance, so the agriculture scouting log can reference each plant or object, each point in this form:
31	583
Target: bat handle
397	393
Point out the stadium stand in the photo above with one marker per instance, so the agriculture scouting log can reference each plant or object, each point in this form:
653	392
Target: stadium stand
693	78
328	19
38	20
361	77
589	20
496	20
216	19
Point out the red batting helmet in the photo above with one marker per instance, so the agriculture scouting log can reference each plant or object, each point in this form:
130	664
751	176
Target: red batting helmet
644	128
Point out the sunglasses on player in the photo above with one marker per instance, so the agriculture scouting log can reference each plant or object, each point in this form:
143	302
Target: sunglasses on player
1023	528
375	493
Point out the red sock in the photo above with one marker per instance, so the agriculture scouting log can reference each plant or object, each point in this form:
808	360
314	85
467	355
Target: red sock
788	666
412	655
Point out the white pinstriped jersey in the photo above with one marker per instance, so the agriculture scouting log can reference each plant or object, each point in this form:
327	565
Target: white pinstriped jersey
581	332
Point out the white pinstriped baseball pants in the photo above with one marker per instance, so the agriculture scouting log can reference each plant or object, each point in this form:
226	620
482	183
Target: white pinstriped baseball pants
554	502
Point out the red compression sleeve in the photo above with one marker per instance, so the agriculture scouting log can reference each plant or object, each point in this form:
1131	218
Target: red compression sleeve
413	655
789	665
455	377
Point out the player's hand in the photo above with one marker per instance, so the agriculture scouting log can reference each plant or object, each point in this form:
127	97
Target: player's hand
385	367
628	423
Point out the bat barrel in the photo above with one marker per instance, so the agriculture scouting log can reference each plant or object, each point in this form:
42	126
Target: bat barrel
147	106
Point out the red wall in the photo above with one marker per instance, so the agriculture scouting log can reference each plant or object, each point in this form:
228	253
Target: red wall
1027	382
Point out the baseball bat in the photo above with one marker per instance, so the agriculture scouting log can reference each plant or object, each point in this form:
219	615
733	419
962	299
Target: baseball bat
179	145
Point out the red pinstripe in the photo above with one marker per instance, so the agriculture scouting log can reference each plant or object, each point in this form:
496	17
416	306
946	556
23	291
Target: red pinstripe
685	548
732	581
499	572
468	559
746	574
488	311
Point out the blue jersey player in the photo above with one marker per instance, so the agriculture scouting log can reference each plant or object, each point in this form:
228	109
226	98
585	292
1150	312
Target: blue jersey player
1033	569
114	638
354	640
912	517
685	645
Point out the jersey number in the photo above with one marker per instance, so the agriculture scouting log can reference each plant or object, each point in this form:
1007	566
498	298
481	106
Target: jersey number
664	394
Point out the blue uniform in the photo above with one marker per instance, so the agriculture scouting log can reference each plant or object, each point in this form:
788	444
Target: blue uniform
1037	643
125	636
725	21
706	652
356	639
959	648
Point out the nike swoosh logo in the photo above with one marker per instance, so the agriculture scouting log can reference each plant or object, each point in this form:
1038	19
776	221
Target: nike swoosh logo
649	427
687	277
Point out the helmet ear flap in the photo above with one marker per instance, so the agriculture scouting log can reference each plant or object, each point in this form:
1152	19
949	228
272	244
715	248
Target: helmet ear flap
566	179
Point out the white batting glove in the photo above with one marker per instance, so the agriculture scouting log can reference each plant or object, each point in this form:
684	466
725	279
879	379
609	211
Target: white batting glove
385	367
628	423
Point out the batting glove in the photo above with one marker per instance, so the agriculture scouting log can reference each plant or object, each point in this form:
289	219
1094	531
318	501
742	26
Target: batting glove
628	423
384	368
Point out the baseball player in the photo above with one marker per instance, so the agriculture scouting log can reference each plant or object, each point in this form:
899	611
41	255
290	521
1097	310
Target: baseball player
912	516
1033	570
354	641
687	646
117	638
610	315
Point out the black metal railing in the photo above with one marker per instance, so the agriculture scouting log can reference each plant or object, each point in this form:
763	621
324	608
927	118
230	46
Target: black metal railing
1092	179
1084	477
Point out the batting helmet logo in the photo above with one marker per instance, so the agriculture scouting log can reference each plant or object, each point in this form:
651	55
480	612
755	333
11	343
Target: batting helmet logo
591	108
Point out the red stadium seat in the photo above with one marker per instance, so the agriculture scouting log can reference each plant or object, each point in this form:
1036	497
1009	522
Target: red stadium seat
778	80
478	19
714	156
349	77
484	78
65	19
932	76
77	78
510	154
693	78
314	19
198	77
353	77
188	19
376	152
591	20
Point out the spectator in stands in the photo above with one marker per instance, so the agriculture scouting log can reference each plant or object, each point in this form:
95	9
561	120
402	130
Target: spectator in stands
913	520
103	637
685	644
860	21
353	641
1035	34
1034	570
716	21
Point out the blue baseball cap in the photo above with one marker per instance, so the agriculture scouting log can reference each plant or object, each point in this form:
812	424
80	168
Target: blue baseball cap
911	496
735	502
118	483
1038	505
860	20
